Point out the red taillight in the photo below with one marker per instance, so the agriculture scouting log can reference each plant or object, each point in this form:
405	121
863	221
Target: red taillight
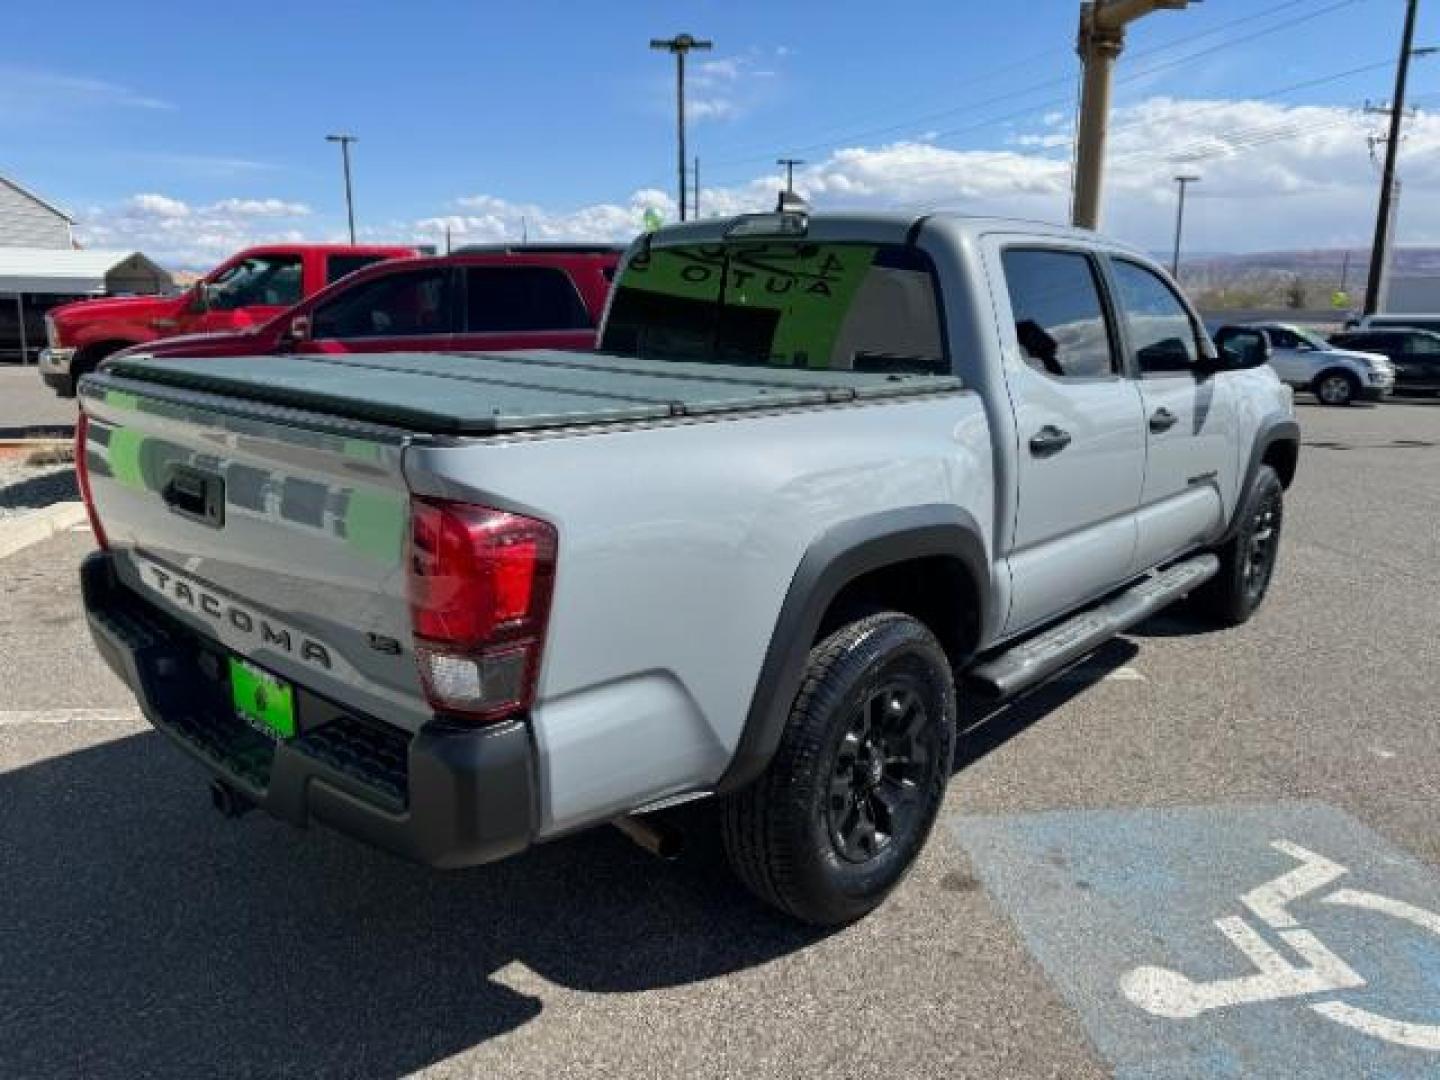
480	582
82	479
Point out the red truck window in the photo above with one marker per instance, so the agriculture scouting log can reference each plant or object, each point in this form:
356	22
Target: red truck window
394	305
259	281
510	299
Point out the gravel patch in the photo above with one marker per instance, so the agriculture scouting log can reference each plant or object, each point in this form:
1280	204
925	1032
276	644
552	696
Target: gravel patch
28	487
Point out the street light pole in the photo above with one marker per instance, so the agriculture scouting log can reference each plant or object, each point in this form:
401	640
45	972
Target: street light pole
1380	252
790	163
1101	41
680	45
1183	182
345	141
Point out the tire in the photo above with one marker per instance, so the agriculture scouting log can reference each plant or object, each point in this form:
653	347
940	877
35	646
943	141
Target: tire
847	802
1247	560
88	359
1336	388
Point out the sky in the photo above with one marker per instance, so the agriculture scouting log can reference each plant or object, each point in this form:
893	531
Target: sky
188	131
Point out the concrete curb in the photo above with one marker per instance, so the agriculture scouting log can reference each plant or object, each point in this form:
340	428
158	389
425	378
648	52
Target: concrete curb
20	532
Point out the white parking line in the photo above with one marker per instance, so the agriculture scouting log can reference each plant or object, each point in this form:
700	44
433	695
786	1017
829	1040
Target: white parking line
23	717
1088	674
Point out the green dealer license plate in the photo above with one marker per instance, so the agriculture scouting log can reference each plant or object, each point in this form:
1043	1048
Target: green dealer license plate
262	700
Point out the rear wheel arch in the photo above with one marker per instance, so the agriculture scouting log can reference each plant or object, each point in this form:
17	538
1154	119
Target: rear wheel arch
878	562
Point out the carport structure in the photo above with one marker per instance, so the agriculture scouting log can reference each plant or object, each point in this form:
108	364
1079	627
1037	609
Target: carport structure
34	280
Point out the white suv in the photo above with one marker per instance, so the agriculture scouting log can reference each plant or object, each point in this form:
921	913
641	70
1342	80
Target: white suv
1307	361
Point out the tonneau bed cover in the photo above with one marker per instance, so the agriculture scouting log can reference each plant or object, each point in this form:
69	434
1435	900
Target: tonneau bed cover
489	394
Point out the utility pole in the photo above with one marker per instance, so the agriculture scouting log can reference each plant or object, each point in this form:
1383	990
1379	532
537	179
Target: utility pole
1380	250
697	187
679	46
790	163
345	141
1101	41
1183	182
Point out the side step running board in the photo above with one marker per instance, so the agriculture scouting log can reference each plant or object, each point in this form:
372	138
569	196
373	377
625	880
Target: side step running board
1036	659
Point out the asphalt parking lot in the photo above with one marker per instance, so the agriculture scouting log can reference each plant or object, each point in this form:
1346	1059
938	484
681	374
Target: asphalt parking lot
28	405
1099	830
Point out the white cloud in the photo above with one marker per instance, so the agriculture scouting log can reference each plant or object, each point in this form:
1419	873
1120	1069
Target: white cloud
35	94
1274	177
728	87
261	208
159	206
182	235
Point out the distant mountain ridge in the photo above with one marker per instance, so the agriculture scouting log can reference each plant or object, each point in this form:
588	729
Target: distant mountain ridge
1293	279
1313	263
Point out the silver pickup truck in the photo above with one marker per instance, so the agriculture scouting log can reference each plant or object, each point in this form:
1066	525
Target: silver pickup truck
826	473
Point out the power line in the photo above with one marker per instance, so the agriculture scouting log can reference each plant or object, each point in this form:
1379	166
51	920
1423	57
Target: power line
974	106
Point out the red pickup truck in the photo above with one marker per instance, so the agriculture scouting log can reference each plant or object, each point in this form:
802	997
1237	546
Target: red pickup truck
492	298
244	292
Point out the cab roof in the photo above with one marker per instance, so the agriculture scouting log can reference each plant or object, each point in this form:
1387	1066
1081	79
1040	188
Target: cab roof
895	227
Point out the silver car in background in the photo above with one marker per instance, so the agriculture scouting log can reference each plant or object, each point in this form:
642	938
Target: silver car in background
1306	361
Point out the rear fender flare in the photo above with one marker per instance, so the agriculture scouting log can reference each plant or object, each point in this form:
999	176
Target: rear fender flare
836	558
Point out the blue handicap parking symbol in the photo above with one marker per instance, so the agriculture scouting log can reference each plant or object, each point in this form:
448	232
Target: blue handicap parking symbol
1281	939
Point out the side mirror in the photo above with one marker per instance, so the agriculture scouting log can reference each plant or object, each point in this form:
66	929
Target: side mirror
1240	349
298	330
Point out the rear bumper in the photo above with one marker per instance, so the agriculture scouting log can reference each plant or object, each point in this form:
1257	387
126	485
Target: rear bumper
447	796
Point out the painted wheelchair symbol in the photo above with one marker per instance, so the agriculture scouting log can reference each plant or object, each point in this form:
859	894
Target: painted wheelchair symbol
1162	992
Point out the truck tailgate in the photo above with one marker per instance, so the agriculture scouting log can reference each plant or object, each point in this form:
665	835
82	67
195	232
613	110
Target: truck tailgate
282	542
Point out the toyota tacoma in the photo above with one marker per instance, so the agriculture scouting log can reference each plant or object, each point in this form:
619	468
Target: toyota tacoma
826	474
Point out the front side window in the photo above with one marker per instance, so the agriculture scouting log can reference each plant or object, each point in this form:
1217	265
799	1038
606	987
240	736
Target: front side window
257	281
1283	339
1159	325
782	304
518	299
412	304
1059	316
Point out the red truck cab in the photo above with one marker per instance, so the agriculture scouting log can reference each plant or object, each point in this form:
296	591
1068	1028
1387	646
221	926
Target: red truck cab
243	293
487	298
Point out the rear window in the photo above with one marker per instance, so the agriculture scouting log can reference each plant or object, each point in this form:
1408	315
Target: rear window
836	307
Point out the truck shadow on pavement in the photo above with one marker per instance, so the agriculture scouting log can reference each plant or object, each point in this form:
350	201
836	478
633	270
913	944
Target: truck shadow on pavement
985	726
143	934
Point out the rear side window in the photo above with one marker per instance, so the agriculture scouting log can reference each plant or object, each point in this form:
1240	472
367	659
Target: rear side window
394	305
787	304
1059	316
515	299
337	266
1160	329
1423	344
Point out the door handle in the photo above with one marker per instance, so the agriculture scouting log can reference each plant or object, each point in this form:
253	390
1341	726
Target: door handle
1049	441
197	495
1163	420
